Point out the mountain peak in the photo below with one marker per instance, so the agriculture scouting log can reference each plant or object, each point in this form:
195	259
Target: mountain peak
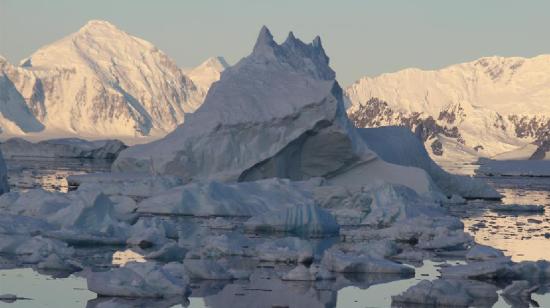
316	43
216	62
264	42
99	26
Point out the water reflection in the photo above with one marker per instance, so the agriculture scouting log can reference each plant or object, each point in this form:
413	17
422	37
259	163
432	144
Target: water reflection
49	173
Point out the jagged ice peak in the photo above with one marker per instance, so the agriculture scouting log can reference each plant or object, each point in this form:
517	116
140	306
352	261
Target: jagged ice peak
307	58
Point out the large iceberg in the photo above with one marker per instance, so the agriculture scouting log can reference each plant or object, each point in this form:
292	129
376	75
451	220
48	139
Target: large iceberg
277	113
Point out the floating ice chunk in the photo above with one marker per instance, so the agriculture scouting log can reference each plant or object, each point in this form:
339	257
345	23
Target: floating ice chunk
379	248
518	293
306	220
412	230
135	185
144	279
379	204
232	244
288	249
443	292
493	269
445	239
532	270
22	225
77	217
90	218
206	270
519	208
483	253
33	249
147	233
312	273
455	200
337	261
34	203
235	199
300	273
57	263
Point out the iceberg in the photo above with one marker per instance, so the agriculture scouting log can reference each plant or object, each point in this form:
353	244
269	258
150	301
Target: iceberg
146	279
277	113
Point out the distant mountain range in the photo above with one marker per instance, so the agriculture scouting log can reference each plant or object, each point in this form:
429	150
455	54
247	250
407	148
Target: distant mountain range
494	107
100	81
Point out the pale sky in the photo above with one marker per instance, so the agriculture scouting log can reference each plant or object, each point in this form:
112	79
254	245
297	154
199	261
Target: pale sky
361	37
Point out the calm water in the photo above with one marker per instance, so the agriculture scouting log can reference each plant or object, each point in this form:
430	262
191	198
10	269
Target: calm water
521	236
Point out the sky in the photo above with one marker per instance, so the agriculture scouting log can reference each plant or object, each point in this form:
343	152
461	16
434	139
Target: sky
361	37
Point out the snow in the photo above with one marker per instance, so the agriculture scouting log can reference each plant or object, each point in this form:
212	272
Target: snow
99	82
497	103
143	279
204	75
62	148
523	153
304	220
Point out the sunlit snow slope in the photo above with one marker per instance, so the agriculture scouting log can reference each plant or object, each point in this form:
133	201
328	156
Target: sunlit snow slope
482	108
98	82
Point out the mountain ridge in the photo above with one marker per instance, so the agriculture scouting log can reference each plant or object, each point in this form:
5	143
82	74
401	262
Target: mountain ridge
480	108
99	82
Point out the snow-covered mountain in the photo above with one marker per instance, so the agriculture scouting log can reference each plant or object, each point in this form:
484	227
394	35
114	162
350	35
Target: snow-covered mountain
208	72
483	108
97	82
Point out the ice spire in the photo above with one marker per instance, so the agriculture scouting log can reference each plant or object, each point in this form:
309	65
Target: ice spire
264	42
